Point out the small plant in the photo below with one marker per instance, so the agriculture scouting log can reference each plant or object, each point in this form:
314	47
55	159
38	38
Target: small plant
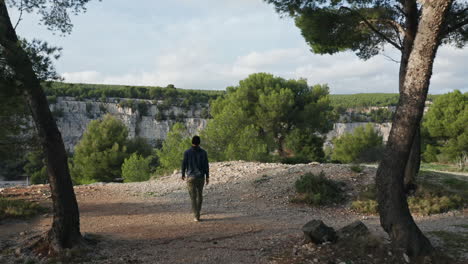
356	168
261	180
318	190
429	199
18	209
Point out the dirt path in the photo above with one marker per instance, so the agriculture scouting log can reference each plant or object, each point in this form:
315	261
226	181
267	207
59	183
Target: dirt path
246	216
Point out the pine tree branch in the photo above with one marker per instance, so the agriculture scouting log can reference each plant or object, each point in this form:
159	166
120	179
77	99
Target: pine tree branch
371	27
456	26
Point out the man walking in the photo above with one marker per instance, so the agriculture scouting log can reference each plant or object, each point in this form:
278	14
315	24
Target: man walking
196	164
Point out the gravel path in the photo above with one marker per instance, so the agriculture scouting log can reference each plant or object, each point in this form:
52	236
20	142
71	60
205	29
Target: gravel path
246	215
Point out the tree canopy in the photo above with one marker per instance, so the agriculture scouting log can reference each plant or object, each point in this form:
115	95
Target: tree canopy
363	145
261	112
364	26
101	151
446	126
172	151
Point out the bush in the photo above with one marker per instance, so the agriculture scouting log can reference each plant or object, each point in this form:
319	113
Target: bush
363	145
35	167
305	145
172	152
18	209
136	168
429	199
444	128
318	190
356	168
101	151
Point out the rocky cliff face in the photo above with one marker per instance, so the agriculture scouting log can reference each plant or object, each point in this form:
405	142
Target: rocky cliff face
73	117
340	128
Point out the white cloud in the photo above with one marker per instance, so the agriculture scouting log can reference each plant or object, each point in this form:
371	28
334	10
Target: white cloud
213	44
345	73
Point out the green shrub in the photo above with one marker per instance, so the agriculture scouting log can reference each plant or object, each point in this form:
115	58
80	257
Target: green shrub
136	168
305	145
429	199
101	151
18	209
434	204
356	168
318	190
35	167
172	152
363	145
40	177
444	129
365	206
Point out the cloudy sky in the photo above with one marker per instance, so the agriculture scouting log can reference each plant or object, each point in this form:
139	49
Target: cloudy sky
212	44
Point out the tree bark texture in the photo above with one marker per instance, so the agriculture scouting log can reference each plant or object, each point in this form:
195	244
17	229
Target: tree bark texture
411	25
395	216
65	231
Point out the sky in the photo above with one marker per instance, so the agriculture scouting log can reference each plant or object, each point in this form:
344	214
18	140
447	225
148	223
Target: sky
213	44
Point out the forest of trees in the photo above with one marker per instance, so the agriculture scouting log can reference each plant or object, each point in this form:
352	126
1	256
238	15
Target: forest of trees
102	92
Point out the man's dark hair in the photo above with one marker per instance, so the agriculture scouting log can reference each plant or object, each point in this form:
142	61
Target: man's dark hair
196	140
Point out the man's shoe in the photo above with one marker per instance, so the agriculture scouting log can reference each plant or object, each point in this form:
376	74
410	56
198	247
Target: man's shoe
196	220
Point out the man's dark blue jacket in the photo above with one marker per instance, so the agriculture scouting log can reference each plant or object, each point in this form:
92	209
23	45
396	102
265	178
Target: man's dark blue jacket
195	162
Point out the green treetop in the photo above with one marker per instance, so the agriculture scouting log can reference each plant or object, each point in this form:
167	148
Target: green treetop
100	153
262	110
446	125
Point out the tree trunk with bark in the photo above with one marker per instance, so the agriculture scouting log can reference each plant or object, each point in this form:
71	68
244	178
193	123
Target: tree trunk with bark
393	208
411	25
65	231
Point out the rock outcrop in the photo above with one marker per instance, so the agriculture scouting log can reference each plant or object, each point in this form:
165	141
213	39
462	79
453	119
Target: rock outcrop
74	115
340	128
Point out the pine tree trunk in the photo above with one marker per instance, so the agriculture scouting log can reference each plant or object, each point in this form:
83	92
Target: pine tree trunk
65	231
411	24
395	216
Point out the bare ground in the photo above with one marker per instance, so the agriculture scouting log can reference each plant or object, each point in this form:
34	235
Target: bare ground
246	216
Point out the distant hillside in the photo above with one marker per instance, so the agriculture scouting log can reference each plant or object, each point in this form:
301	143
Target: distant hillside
190	97
100	91
367	100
